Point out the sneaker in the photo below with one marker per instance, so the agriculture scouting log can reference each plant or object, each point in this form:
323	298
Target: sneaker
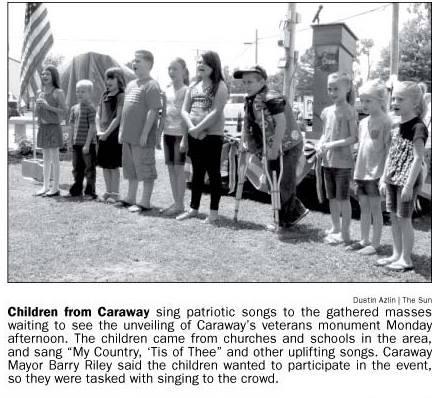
211	219
169	209
367	250
333	240
51	194
41	192
272	227
355	246
174	211
330	231
90	196
113	198
187	214
122	203
105	196
299	218
138	209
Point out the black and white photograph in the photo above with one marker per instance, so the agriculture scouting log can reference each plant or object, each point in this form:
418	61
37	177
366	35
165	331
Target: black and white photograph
219	142
216	199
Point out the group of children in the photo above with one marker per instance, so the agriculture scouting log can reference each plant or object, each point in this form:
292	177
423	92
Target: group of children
126	127
388	163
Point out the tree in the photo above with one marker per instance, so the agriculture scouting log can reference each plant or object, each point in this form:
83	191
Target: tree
235	86
305	73
54	59
364	47
414	48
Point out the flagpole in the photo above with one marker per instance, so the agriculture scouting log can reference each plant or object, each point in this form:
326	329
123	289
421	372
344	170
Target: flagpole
34	126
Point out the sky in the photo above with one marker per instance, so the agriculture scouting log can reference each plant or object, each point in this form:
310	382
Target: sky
171	30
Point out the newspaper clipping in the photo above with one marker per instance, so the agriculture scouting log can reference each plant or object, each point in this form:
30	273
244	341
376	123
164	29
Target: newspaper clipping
216	199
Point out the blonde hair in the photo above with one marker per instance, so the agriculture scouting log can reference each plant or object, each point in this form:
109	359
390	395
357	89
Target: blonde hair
346	79
88	84
413	91
377	90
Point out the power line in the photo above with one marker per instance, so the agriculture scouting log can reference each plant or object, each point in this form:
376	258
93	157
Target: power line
381	8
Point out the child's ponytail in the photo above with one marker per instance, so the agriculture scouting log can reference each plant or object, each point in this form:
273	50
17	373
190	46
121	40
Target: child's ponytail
415	92
182	62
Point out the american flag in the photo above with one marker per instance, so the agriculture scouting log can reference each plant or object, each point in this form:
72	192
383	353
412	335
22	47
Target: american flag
38	40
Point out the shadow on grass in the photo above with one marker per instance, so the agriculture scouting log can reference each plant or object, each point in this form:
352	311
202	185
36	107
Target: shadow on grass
224	222
422	266
422	223
301	233
422	263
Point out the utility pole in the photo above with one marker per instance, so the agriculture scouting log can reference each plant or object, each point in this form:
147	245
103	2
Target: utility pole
394	52
289	46
256	46
255	43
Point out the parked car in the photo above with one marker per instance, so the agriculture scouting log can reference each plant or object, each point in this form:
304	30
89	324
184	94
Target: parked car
13	109
234	113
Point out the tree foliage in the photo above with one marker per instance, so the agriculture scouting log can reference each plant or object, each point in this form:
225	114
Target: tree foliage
414	48
364	47
54	59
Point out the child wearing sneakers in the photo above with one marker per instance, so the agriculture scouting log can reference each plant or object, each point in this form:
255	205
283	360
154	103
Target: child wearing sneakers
334	147
403	172
138	132
282	132
107	124
374	142
83	141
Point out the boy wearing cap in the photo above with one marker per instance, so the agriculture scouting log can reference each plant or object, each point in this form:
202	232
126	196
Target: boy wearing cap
281	131
138	132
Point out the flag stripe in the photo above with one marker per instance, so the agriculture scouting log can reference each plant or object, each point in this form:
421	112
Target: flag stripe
35	20
35	83
35	47
35	63
37	42
37	55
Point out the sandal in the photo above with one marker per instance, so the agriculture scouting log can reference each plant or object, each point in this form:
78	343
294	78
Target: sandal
367	250
138	209
355	246
122	203
333	240
398	267
384	261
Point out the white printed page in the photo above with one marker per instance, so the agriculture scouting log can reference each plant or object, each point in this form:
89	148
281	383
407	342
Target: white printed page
100	301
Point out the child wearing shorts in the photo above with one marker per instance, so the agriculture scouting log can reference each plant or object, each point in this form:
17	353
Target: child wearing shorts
175	134
374	142
339	134
402	173
138	133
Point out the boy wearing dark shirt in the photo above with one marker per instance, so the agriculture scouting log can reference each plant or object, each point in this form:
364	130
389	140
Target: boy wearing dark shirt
281	132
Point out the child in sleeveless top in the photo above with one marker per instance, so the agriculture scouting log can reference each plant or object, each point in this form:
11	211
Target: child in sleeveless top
402	172
203	113
374	138
108	116
175	133
50	111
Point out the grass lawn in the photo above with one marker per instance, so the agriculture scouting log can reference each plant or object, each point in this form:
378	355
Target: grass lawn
60	240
